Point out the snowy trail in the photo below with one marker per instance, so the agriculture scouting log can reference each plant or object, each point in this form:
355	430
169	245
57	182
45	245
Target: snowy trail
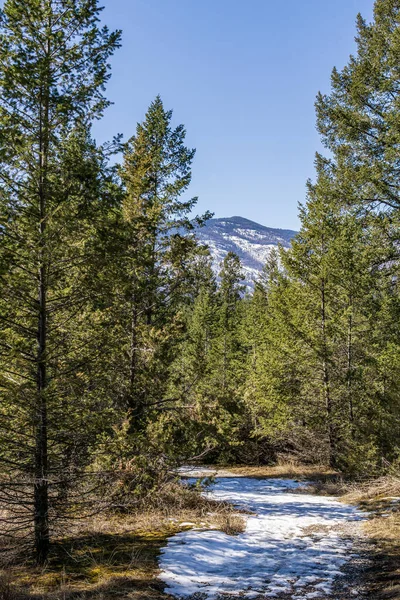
292	547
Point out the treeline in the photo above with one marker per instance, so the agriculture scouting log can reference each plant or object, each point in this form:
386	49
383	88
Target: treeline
327	372
98	265
122	353
308	364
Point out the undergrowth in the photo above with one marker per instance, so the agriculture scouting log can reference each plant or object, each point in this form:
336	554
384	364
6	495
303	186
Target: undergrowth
381	499
115	554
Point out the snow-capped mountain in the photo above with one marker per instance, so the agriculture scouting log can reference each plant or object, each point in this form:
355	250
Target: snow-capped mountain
251	241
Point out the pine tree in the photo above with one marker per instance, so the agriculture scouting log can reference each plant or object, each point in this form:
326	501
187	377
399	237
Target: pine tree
310	261
159	247
209	370
192	425
358	120
230	290
53	67
316	371
227	356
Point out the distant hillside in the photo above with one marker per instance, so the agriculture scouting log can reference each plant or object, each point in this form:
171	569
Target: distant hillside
251	241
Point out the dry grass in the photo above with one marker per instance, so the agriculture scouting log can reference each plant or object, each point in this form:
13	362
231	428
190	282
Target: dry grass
327	485
7	590
384	488
229	522
387	529
383	577
115	557
286	470
112	557
381	499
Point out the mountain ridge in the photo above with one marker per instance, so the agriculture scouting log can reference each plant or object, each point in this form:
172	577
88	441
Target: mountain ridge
250	240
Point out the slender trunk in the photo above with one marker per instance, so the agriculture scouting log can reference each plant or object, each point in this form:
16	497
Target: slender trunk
41	500
133	349
134	402
152	270
350	368
326	382
41	486
225	358
152	282
329	414
41	460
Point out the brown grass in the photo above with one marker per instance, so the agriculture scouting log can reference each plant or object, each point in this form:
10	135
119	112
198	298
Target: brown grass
229	522
379	498
115	556
384	488
286	470
383	576
7	590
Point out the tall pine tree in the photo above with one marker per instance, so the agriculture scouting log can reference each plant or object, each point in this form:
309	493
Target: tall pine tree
158	248
53	68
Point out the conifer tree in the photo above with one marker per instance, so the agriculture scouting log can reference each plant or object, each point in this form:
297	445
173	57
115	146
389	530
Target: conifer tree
358	119
230	290
159	246
227	354
192	424
318	367
53	67
210	368
310	261
358	124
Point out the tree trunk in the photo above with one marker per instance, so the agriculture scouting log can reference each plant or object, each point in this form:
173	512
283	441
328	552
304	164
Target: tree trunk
329	415
326	383
41	486
41	502
134	402
350	369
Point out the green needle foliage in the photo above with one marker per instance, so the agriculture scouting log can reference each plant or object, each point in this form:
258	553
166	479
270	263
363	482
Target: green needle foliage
53	68
124	350
157	252
323	378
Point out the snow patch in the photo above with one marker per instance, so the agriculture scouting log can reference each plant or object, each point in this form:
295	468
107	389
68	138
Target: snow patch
273	556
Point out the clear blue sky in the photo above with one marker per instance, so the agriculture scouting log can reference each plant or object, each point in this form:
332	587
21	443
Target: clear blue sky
242	76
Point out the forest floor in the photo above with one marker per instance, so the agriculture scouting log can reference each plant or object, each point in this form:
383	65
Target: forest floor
113	557
294	546
305	543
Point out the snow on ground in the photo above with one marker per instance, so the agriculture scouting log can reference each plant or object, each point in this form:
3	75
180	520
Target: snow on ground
292	546
196	472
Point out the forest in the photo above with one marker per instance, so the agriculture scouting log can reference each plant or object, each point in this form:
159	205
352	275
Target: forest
123	354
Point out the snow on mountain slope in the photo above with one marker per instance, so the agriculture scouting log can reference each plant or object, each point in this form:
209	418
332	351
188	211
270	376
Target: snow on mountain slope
251	241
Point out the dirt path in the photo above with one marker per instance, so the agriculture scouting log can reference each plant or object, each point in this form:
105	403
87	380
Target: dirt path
295	546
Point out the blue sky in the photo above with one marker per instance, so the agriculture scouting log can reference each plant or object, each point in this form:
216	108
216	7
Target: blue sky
242	76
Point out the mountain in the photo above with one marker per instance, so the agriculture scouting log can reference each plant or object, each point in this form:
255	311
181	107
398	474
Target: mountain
251	241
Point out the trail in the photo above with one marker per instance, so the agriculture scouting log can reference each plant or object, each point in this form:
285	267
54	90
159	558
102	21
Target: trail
294	547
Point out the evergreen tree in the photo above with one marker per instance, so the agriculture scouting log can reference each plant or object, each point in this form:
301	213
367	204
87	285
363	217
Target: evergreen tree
358	124
310	260
210	368
315	374
358	120
159	247
53	67
192	425
228	355
230	291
